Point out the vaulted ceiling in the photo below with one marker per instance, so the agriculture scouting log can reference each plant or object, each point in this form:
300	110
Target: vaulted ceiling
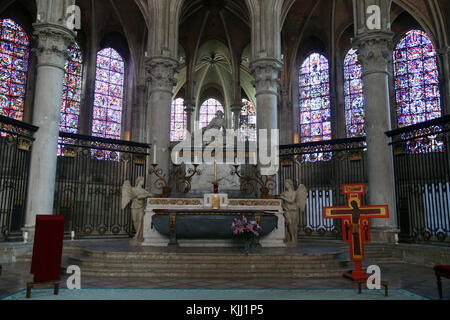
213	38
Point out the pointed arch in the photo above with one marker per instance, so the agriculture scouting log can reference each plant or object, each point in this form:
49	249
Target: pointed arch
208	111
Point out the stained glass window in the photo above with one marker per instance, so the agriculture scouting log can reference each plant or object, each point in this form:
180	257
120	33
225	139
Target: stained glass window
354	96
248	120
178	121
14	52
108	97
417	85
208	111
315	116
70	107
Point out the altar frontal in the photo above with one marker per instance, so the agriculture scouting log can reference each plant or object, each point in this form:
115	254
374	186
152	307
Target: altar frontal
200	223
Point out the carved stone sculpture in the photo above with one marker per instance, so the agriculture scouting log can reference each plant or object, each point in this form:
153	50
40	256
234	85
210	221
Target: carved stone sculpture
217	123
293	202
136	195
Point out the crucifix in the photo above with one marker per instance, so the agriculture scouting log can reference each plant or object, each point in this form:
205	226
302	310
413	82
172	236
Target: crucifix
356	224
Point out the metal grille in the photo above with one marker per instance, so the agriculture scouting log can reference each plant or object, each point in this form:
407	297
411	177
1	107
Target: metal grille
421	164
16	139
88	184
324	179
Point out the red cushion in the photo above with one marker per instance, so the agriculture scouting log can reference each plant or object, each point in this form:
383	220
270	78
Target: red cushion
443	269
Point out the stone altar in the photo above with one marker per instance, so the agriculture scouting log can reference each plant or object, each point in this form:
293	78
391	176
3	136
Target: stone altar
153	238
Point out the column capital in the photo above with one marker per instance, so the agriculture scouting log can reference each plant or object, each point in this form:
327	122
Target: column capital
161	73
284	91
266	73
189	106
51	44
445	50
236	107
141	88
374	51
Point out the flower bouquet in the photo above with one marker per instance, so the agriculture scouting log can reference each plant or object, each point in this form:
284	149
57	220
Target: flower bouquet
247	230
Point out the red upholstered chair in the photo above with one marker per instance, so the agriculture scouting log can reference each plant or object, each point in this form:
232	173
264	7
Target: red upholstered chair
441	271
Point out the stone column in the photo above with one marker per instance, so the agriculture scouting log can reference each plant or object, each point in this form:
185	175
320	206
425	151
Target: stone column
266	74
138	130
286	117
161	80
52	42
444	54
189	108
375	54
236	110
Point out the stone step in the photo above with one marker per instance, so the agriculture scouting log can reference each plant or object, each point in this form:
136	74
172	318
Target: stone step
376	252
391	260
313	274
229	266
201	257
67	251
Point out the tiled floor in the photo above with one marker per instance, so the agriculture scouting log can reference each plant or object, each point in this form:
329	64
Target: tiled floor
418	279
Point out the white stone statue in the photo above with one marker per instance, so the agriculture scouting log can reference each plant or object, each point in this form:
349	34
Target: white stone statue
136	195
217	123
293	202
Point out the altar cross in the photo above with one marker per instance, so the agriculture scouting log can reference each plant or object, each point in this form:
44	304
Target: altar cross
356	224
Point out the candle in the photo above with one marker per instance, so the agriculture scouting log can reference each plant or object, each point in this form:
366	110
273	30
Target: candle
25	236
154	154
215	172
73	235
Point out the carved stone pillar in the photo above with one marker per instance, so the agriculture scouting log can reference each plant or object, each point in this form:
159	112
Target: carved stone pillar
266	81
52	43
375	54
161	80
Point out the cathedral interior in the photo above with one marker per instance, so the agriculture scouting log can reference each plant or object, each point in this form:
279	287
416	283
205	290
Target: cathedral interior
96	95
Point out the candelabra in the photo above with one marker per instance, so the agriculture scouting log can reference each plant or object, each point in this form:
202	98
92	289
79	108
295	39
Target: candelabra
177	178
254	177
184	178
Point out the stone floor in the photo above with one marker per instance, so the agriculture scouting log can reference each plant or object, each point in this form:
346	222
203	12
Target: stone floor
419	279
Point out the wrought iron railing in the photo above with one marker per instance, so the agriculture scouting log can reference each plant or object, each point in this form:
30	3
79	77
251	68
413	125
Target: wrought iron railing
422	180
16	139
90	174
323	167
